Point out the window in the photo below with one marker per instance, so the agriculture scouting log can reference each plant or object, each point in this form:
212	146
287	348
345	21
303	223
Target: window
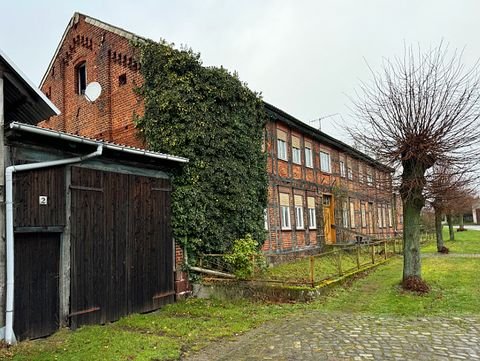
379	215
296	158
352	214
364	215
312	218
345	214
285	211
265	212
390	223
296	155
349	173
122	79
299	212
369	179
342	169
308	156
281	144
282	149
384	218
325	162
360	173
81	78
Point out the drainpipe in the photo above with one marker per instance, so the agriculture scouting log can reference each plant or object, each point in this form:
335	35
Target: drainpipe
9	335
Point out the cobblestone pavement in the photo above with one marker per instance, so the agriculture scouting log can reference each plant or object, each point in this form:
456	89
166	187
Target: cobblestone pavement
336	336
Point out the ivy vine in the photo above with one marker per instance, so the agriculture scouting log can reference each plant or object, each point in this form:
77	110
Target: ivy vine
209	116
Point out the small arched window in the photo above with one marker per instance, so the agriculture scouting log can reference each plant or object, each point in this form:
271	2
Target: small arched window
81	78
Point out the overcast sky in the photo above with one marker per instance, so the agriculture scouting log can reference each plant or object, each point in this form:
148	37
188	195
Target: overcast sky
304	56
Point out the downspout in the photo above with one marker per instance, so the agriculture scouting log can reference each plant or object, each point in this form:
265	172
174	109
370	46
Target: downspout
9	335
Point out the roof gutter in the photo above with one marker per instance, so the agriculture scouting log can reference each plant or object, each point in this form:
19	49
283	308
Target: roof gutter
8	334
82	140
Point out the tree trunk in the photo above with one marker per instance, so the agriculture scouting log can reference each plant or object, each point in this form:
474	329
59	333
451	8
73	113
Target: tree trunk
450	227
461	222
411	240
438	230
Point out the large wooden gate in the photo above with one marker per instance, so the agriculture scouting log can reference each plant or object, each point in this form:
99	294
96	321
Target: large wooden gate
36	299
121	245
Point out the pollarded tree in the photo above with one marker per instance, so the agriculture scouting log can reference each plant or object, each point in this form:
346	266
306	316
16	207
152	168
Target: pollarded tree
422	108
447	191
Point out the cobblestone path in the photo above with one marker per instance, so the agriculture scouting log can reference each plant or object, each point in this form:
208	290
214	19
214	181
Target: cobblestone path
336	336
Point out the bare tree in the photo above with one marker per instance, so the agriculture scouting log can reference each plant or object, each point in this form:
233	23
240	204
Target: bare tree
422	108
448	190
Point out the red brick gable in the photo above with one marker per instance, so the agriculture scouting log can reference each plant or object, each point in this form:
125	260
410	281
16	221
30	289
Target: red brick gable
110	60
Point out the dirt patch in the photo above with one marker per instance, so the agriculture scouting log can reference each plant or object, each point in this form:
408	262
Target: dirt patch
415	284
444	250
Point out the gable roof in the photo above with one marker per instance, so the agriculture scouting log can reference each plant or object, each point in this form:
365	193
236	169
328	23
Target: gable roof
23	101
95	22
322	137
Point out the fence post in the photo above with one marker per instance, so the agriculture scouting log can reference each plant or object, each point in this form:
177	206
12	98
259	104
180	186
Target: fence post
358	256
339	260
394	246
385	248
373	253
312	271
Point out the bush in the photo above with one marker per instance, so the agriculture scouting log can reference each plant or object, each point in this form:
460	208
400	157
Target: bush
245	257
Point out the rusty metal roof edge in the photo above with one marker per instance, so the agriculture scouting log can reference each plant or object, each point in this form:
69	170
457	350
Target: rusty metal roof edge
86	140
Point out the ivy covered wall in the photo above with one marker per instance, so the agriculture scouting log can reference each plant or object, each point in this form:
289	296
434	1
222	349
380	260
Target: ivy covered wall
209	116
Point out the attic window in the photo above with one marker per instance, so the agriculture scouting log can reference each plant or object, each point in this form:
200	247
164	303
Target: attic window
122	79
81	75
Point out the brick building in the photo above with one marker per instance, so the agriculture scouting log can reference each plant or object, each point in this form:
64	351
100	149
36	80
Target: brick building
320	189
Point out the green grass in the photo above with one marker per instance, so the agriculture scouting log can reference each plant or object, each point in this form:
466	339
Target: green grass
454	290
325	266
193	324
162	335
465	242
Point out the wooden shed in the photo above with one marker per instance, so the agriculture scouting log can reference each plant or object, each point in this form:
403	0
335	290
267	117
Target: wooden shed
92	238
85	231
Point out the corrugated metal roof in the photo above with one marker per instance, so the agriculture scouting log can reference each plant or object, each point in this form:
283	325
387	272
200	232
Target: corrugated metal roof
91	141
24	102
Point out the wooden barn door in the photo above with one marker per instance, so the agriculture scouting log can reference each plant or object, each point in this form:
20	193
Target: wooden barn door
122	253
36	299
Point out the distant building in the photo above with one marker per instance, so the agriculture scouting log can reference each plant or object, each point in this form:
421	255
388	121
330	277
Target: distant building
476	211
321	190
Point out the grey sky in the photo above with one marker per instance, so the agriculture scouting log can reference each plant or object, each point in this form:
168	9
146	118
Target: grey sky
304	56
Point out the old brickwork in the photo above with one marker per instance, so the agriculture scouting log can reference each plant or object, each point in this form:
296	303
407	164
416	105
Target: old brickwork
110	60
336	205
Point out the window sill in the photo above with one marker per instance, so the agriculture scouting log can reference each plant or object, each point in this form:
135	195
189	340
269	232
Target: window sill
300	228
312	228
286	229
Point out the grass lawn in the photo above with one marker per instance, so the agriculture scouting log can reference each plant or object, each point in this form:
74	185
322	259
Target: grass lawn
465	242
162	335
192	324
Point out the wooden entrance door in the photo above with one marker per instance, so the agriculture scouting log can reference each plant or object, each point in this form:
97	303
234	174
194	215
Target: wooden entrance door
36	299
328	218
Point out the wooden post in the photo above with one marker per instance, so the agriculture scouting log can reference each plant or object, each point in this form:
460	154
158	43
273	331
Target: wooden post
358	256
394	246
385	248
312	271
339	260
373	253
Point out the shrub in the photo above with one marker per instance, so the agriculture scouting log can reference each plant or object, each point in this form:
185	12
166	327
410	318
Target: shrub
245	257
